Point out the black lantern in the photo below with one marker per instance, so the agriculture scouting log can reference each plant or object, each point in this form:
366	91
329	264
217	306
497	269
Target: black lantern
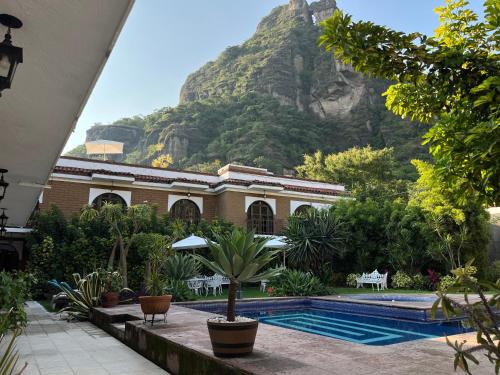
3	183
10	56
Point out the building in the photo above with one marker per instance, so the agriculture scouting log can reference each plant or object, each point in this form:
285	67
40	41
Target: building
249	197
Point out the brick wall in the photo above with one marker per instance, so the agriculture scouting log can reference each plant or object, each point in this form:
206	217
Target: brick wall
70	197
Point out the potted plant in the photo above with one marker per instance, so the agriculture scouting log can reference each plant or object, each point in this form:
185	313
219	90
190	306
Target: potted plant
112	286
240	257
156	302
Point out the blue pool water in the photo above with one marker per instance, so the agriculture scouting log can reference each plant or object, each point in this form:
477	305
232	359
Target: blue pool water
360	329
356	322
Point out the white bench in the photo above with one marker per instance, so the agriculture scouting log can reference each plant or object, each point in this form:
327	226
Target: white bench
374	278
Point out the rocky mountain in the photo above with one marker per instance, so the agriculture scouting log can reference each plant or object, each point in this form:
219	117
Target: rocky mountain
267	102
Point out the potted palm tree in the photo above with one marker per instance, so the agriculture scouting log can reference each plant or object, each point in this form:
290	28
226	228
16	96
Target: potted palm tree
156	302
240	257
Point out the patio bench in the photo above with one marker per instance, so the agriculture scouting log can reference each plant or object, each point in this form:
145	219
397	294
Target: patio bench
374	278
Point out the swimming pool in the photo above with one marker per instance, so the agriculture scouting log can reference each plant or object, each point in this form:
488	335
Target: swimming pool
355	322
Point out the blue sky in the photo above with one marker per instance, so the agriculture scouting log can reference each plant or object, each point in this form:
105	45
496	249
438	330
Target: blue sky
165	40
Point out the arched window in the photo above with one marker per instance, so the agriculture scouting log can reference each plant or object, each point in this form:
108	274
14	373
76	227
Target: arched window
260	218
303	209
186	211
108	198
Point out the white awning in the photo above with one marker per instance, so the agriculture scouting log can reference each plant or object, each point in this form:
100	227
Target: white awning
191	242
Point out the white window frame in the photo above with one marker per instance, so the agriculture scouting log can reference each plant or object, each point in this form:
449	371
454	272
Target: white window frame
126	195
270	201
175	198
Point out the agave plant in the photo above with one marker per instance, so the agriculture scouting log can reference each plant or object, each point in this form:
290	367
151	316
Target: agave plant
239	256
9	356
181	267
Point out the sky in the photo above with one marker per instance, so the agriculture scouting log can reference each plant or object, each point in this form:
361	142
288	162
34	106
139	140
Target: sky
163	41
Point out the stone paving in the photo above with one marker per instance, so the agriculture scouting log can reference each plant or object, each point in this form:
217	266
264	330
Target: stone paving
55	347
288	352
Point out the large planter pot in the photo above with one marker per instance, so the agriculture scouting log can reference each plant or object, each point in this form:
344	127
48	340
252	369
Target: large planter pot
232	339
110	299
155	305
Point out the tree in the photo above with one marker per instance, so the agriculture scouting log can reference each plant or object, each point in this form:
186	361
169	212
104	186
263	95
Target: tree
162	161
460	229
315	238
450	81
366	171
125	224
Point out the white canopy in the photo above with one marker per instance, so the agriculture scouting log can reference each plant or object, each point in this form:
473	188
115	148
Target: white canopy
277	243
104	147
191	242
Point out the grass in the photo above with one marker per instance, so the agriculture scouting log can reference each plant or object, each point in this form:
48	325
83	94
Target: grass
254	292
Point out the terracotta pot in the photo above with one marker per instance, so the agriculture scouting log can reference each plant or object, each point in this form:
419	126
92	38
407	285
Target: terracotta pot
110	299
153	305
232	339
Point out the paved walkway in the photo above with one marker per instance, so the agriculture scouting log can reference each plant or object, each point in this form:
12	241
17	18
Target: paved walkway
55	347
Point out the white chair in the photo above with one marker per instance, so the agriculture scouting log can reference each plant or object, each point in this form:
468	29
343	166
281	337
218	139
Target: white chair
215	283
195	285
263	285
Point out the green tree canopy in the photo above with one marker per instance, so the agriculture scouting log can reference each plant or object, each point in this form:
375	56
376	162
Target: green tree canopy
366	171
450	80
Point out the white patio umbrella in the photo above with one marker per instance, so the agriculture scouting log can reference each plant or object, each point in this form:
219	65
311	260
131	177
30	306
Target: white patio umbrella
278	242
103	147
191	242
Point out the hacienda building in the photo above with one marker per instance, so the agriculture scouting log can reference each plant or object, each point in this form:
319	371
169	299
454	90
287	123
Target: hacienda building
249	197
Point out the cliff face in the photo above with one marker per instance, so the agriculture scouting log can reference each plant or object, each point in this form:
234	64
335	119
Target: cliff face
269	101
283	60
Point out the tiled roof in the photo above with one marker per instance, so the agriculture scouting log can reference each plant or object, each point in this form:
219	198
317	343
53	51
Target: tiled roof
165	180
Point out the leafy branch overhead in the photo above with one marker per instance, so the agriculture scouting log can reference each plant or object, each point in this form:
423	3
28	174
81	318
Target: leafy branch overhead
450	80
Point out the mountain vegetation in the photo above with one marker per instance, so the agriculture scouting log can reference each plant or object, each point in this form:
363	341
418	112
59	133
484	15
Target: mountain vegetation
268	102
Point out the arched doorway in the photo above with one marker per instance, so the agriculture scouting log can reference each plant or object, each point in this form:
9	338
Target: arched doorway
186	210
260	218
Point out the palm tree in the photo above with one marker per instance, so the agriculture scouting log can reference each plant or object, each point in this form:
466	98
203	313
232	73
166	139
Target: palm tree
239	256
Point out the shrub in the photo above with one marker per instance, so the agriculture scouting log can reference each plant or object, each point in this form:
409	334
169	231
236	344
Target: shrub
432	279
181	267
315	238
14	289
179	291
297	283
418	281
351	279
446	282
401	280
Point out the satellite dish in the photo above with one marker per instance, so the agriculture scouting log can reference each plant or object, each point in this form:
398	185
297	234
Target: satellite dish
103	147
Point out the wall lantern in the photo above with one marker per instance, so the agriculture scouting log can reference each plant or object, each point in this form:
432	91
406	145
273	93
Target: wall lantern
3	184
10	56
3	223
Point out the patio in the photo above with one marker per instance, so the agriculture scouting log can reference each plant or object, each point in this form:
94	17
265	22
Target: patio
52	346
182	346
